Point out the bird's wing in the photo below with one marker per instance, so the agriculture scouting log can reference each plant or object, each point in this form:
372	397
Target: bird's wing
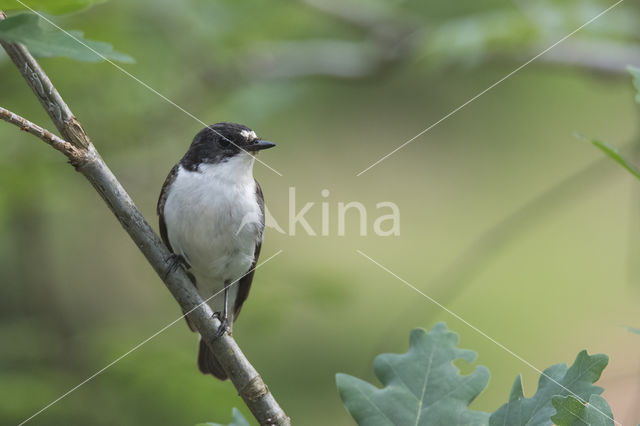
164	193
244	285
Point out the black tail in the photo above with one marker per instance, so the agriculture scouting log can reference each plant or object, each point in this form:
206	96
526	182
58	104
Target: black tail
208	364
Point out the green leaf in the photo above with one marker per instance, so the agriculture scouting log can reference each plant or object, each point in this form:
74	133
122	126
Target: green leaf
48	41
572	412
613	152
556	380
53	7
237	419
635	73
421	387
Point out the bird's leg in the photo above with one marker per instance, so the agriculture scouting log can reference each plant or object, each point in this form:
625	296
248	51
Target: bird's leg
224	318
173	263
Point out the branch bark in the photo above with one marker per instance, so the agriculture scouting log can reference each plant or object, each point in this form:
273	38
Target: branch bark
49	138
86	159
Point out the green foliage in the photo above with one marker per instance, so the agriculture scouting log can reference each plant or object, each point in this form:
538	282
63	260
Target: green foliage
572	412
556	380
472	38
611	150
237	419
633	330
54	7
421	387
614	154
44	40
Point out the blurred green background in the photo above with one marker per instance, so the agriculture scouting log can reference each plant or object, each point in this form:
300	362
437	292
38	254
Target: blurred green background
507	219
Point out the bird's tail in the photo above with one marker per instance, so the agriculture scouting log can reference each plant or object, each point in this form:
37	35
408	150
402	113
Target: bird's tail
208	364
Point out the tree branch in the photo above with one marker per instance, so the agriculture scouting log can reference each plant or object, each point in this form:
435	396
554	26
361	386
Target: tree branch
86	159
49	138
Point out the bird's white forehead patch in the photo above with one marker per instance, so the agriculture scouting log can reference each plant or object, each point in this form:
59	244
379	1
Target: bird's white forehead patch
249	134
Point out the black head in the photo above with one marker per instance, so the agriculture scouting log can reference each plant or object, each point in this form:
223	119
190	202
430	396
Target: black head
219	142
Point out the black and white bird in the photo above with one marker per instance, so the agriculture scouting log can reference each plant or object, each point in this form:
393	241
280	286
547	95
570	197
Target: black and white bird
211	213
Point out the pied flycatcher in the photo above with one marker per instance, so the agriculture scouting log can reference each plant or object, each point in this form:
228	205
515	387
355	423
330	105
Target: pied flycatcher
212	219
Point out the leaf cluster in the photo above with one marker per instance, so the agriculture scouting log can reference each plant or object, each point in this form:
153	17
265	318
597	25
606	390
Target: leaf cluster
423	387
43	38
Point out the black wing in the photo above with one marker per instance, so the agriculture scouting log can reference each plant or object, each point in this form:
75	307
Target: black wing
244	285
164	193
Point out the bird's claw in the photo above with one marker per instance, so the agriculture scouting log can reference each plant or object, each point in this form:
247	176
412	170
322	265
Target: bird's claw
224	325
173	263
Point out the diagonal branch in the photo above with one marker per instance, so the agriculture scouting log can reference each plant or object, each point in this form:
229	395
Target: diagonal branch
49	98
86	159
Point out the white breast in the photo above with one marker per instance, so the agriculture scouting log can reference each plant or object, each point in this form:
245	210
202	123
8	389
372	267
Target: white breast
214	221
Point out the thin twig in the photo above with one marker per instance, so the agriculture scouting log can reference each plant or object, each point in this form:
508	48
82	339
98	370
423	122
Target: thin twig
242	374
51	101
49	138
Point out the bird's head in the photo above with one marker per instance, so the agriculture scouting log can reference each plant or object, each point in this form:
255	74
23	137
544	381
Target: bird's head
220	142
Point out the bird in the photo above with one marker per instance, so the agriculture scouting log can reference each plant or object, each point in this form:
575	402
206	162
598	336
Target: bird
211	218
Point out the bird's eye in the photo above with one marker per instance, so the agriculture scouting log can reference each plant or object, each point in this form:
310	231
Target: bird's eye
224	142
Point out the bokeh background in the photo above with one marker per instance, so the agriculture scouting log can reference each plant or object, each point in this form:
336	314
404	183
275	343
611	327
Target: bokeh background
506	218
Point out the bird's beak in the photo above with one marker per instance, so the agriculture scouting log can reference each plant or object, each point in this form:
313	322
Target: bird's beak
260	144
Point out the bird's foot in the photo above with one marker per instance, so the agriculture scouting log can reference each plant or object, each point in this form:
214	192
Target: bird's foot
224	325
173	263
